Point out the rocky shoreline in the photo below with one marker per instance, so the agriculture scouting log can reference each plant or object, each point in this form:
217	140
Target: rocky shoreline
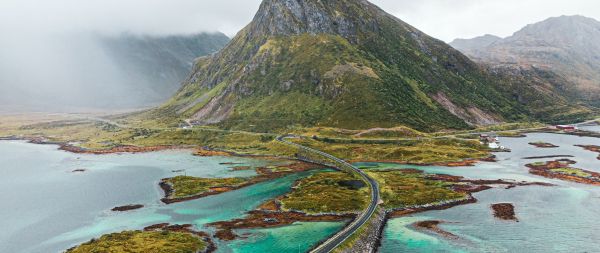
463	163
269	219
547	156
264	174
504	211
561	169
543	145
432	226
580	133
186	228
127	208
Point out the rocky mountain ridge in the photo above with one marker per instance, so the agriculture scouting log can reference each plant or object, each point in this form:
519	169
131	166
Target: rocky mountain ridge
340	63
568	46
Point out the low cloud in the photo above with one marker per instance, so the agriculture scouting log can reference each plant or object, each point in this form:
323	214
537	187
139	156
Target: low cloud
46	55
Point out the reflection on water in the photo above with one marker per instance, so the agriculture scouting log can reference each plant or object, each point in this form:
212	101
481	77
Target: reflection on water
54	208
555	219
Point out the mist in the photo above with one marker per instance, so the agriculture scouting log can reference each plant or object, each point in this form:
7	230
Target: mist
50	57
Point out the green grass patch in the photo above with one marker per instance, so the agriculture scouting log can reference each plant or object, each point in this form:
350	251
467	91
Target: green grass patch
143	242
402	189
185	186
322	193
572	171
423	151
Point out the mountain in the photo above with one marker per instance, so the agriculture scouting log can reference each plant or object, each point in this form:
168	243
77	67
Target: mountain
566	46
159	64
468	45
341	63
71	71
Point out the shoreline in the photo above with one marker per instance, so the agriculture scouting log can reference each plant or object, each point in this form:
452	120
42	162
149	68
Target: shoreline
263	175
432	226
185	228
270	219
469	162
551	170
592	148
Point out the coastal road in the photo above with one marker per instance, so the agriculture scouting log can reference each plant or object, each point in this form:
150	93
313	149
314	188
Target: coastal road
339	238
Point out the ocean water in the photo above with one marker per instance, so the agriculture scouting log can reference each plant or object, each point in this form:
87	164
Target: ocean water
48	208
563	218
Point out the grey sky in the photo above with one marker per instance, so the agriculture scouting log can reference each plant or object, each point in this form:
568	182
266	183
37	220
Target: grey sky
444	19
47	53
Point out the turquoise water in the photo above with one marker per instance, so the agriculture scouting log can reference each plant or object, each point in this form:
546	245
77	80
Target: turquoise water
51	209
552	219
55	209
284	239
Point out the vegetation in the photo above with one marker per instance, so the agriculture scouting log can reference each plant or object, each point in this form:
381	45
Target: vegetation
143	242
360	78
322	193
571	171
347	145
405	189
185	186
425	151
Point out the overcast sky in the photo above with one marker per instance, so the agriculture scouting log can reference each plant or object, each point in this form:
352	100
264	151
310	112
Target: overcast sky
444	19
47	54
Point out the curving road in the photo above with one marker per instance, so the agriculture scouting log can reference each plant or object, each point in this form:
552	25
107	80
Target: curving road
339	238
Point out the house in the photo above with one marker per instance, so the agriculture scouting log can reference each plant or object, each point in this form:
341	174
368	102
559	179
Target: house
566	127
485	138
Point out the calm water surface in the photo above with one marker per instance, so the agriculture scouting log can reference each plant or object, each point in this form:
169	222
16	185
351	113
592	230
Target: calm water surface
48	208
555	219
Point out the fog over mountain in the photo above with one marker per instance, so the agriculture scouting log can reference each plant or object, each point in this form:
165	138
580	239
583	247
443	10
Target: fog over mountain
49	55
99	71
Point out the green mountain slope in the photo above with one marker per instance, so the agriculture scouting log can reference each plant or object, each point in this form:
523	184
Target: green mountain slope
339	63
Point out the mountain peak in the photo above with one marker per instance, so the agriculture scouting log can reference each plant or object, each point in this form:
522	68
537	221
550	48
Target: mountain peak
568	46
292	17
338	63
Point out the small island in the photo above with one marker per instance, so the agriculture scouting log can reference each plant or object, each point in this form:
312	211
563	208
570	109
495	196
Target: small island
185	188
504	211
561	169
126	208
541	144
338	196
432	226
153	240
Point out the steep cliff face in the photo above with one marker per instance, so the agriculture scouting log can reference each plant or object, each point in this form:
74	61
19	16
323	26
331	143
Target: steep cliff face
568	46
340	63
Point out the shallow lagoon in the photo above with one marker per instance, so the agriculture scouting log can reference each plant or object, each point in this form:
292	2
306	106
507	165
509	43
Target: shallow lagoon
54	208
555	219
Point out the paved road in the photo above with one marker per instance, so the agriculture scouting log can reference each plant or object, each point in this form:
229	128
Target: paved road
361	219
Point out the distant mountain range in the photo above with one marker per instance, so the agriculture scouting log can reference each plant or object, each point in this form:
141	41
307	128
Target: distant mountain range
566	48
84	70
349	64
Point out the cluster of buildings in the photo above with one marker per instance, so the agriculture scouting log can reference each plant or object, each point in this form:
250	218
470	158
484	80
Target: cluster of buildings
566	128
490	140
